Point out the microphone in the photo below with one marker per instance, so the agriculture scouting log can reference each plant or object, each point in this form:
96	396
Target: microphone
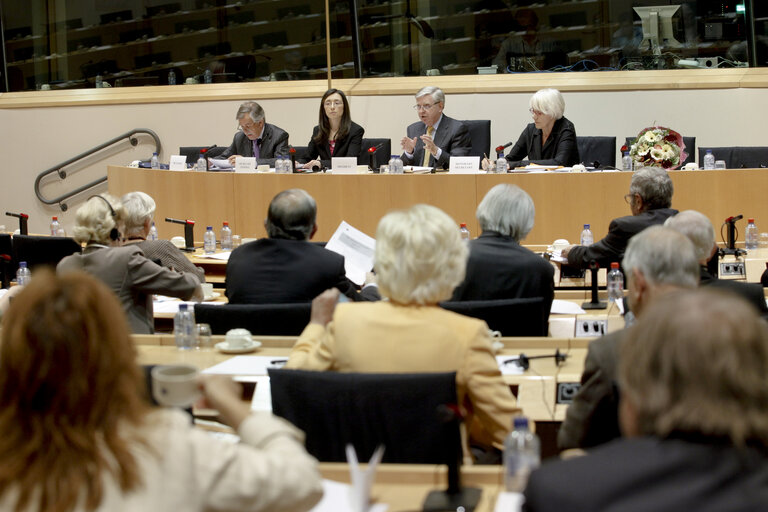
734	219
524	361
189	232
23	218
500	149
372	157
595	303
731	243
292	153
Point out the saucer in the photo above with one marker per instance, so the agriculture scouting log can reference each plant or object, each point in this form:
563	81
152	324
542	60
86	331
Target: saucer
212	296
224	347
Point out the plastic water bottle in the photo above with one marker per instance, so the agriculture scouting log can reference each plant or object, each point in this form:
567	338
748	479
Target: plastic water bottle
615	283
184	328
207	76
522	454
501	165
586	236
226	237
464	230
56	228
282	165
202	162
171	77
751	236
395	165
152	235
23	275
99	82
209	241
709	160
154	162
626	161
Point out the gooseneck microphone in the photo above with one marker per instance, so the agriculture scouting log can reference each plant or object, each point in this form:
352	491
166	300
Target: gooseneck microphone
731	242
23	218
500	149
372	157
292	153
189	232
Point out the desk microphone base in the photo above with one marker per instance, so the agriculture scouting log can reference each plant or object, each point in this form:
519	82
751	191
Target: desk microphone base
593	305
442	501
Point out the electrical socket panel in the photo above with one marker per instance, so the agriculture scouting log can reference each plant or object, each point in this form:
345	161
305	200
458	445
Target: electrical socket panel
590	327
733	268
566	391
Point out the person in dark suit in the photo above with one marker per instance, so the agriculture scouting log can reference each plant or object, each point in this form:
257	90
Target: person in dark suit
256	138
335	135
692	411
649	198
658	261
286	267
498	266
436	137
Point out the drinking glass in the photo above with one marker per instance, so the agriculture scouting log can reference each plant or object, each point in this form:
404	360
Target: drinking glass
204	337
719	164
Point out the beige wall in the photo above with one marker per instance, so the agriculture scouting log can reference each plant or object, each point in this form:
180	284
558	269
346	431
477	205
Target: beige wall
39	130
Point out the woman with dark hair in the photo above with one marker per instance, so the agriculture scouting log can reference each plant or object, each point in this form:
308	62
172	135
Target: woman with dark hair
335	135
77	434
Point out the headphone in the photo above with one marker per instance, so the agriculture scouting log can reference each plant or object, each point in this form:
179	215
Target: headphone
114	234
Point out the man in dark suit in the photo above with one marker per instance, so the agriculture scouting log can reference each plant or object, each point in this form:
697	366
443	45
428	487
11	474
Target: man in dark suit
658	261
256	138
649	198
436	137
286	267
498	266
692	413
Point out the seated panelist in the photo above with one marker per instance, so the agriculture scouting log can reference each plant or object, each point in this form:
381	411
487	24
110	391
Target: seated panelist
256	138
335	135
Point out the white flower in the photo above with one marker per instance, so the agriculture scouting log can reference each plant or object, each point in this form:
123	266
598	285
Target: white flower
651	137
642	149
657	154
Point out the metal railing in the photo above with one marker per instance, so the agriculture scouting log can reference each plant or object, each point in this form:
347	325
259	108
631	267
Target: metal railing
63	174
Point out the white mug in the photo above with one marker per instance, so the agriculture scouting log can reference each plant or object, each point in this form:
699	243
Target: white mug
238	338
175	386
207	289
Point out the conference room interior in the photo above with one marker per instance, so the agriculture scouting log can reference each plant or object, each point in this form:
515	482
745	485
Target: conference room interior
46	126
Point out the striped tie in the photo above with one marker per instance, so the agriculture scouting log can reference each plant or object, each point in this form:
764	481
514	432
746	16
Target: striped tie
427	154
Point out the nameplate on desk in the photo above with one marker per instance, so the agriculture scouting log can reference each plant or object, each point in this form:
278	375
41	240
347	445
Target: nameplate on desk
178	163
464	164
245	164
344	165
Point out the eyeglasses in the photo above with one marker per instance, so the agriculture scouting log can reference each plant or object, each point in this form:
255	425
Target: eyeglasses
333	104
426	106
248	127
628	198
535	112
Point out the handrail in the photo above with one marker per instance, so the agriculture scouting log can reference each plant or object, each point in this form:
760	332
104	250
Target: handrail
63	174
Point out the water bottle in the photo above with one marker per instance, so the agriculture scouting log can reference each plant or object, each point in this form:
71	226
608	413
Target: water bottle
226	237
209	241
626	161
282	166
56	228
586	236
171	77
709	160
154	162
522	454
751	236
202	162
207	76
23	275
395	165
99	82
184	328
501	165
152	235
615	283
464	230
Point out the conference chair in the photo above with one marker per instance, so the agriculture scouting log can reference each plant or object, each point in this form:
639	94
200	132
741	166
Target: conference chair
738	157
7	264
480	133
193	152
40	251
597	150
266	319
511	317
383	154
401	411
690	148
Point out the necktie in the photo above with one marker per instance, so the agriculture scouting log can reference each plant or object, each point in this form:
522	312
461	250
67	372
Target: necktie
256	151
427	154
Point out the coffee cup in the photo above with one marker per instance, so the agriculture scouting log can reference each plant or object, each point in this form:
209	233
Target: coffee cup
207	290
238	338
175	386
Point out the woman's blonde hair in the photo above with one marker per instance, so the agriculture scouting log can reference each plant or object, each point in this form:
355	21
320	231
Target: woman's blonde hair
69	383
95	220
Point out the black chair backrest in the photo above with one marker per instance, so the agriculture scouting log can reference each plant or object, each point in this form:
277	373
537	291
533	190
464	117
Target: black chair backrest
690	148
399	411
597	149
511	317
383	154
7	267
266	319
302	152
738	157
193	152
38	251
480	133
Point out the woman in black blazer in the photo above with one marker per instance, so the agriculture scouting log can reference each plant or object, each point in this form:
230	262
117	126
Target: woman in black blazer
335	135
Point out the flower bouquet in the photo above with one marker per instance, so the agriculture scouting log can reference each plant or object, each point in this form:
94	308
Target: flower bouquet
658	146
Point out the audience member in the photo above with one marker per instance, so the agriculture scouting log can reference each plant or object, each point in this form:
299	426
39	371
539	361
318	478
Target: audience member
335	135
529	51
286	267
649	199
659	260
77	432
138	211
125	270
498	266
256	138
420	258
693	410
436	137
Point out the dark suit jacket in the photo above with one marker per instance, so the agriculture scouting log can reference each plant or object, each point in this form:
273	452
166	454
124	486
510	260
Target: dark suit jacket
592	418
274	143
500	268
560	148
348	146
612	247
642	474
751	292
451	137
274	271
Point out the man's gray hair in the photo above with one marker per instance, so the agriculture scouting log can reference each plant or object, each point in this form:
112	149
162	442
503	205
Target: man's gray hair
654	186
435	92
137	208
663	256
507	209
252	109
291	215
697	227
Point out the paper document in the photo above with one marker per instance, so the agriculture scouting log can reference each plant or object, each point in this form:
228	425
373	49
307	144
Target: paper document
507	365
223	256
247	365
362	479
357	249
509	502
163	304
417	169
564	307
336	499
220	164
